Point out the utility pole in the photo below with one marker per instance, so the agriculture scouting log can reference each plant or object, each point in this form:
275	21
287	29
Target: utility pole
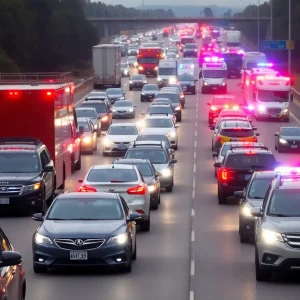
290	38
258	27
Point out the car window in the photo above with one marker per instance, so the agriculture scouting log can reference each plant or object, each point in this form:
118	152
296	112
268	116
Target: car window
85	126
248	161
259	188
4	243
123	104
172	96
100	107
159	110
44	158
236	132
122	130
158	123
155	156
112	175
225	148
85	113
290	131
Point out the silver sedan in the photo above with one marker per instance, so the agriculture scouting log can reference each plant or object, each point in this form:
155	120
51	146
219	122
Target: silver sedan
123	109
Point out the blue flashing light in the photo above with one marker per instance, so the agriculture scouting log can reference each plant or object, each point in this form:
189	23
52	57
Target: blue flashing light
266	65
288	171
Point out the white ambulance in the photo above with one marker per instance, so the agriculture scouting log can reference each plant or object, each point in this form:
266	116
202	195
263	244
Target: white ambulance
272	97
214	75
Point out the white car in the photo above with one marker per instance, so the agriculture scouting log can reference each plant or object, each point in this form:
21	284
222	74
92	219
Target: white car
118	138
124	180
161	125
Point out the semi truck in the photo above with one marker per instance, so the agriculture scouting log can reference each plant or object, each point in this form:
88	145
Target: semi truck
107	66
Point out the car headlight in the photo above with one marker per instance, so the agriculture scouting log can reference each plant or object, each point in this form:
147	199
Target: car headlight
114	110
285	111
135	63
40	239
130	81
151	188
145	81
172	80
33	187
270	237
158	79
192	84
130	110
140	123
119	239
261	108
126	71
246	211
205	83
156	68
87	139
166	173
282	141
171	134
104	119
107	142
177	108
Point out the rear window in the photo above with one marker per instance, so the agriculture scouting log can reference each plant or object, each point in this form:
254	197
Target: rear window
100	107
149	137
85	113
172	96
112	175
160	110
144	169
122	130
250	161
237	133
155	156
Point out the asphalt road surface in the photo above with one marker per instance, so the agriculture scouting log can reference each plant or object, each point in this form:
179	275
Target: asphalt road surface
221	267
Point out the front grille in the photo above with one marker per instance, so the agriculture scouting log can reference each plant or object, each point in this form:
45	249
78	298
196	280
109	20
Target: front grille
121	111
294	142
11	190
124	143
292	239
79	244
273	111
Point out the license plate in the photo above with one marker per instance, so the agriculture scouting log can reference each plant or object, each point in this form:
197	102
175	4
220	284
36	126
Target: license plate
247	177
184	88
4	200
292	146
214	88
78	255
122	147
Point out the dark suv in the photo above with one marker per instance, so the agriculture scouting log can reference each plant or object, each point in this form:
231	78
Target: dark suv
27	174
237	168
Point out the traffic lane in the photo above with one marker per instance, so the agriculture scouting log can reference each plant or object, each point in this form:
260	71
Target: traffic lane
220	258
158	264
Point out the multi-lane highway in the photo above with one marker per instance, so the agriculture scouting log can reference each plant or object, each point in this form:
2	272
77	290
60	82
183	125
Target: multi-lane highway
221	267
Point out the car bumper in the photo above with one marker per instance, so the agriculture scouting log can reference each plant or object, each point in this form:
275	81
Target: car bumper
138	205
267	115
190	54
148	72
173	141
148	97
189	89
229	190
215	87
86	147
124	115
115	150
289	146
284	257
247	225
51	256
137	85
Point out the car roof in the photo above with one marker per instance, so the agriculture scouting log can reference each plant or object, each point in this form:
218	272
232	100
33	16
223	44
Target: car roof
159	105
167	92
93	102
236	124
245	150
94	93
80	195
111	166
264	174
158	117
224	97
129	101
86	108
131	161
233	111
122	124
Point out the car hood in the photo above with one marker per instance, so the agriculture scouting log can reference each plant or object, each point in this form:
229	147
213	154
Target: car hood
122	138
125	108
160	167
284	225
290	138
255	202
157	130
13	178
150	92
80	229
183	82
137	81
102	114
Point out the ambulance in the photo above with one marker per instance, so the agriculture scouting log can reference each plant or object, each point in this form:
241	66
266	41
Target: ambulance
214	75
271	98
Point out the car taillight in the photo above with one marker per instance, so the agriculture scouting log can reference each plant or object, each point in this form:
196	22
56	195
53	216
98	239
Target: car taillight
87	189
218	138
255	140
137	190
224	174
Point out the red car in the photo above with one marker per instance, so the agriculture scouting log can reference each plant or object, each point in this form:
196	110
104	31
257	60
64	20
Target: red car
12	274
219	103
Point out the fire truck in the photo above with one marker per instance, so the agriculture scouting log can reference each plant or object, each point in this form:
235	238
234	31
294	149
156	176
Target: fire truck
41	106
269	97
148	59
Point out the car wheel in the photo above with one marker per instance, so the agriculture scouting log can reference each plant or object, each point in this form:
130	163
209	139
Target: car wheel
154	203
169	189
261	275
142	100
145	225
39	270
96	147
78	164
99	133
243	239
134	252
178	119
221	196
183	105
158	196
130	88
128	267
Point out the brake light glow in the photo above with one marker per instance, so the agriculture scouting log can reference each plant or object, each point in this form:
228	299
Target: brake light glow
224	174
213	59
137	190
70	148
141	68
236	107
14	93
87	189
49	93
104	118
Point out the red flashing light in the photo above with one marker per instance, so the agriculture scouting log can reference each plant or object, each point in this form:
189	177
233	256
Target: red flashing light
137	190
250	153
49	93
14	93
224	174
87	189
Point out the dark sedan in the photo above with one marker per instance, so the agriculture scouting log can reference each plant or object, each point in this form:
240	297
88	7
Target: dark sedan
149	92
287	139
91	230
176	102
137	82
190	50
188	83
115	94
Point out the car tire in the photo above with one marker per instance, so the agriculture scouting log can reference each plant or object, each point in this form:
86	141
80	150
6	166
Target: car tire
158	196
105	154
154	203
96	147
145	225
39	270
169	189
128	267
261	275
130	88
99	133
221	197
77	166
134	252
243	239
178	119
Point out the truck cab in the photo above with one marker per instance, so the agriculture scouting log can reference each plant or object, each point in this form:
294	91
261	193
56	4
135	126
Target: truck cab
167	72
148	59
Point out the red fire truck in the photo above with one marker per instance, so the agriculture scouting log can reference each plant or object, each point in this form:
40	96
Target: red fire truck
41	106
148	59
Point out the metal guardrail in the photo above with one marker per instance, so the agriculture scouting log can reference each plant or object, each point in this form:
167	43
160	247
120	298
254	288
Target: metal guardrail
84	85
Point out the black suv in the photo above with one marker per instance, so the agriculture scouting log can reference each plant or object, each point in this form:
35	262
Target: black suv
27	174
238	166
150	176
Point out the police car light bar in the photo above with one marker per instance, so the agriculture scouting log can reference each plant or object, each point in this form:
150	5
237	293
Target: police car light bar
266	65
288	171
213	59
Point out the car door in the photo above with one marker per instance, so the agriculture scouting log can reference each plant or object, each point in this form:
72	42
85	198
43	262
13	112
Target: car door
9	276
47	176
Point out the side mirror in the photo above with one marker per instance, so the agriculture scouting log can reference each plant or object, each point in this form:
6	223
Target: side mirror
276	134
10	258
291	97
254	128
217	165
209	104
215	154
256	212
239	194
134	217
177	125
173	161
81	129
257	134
212	127
134	105
49	167
38	217
80	180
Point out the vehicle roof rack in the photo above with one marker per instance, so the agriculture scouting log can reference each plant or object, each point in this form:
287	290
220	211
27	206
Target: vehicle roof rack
36	78
20	140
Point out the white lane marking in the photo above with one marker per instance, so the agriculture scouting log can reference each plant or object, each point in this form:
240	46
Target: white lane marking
193	236
195	144
192	295
192	269
125	84
195	155
196	124
193	212
196	132
194	183
194	168
196	115
193	195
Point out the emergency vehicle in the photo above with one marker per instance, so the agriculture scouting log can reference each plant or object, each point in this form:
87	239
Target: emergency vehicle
41	106
148	59
271	97
252	59
214	75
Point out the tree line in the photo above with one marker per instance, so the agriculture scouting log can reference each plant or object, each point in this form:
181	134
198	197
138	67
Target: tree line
54	35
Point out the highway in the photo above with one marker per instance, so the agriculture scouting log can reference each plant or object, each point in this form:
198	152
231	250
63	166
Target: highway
221	267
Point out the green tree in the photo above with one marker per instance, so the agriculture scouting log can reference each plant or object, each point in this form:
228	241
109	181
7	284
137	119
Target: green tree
208	13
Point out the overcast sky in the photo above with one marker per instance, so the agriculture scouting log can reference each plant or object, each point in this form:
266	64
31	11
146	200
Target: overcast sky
234	3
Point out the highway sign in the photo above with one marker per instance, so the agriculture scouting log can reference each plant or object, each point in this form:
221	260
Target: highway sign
274	45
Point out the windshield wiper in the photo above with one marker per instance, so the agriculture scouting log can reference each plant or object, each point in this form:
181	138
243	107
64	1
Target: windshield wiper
83	219
257	198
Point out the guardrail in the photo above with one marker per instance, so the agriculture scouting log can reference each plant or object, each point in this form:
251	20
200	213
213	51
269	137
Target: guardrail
84	85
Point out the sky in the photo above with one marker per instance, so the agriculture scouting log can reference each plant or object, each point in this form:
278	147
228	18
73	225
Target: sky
233	3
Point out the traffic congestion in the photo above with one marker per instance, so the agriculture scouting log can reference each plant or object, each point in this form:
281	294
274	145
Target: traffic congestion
180	165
